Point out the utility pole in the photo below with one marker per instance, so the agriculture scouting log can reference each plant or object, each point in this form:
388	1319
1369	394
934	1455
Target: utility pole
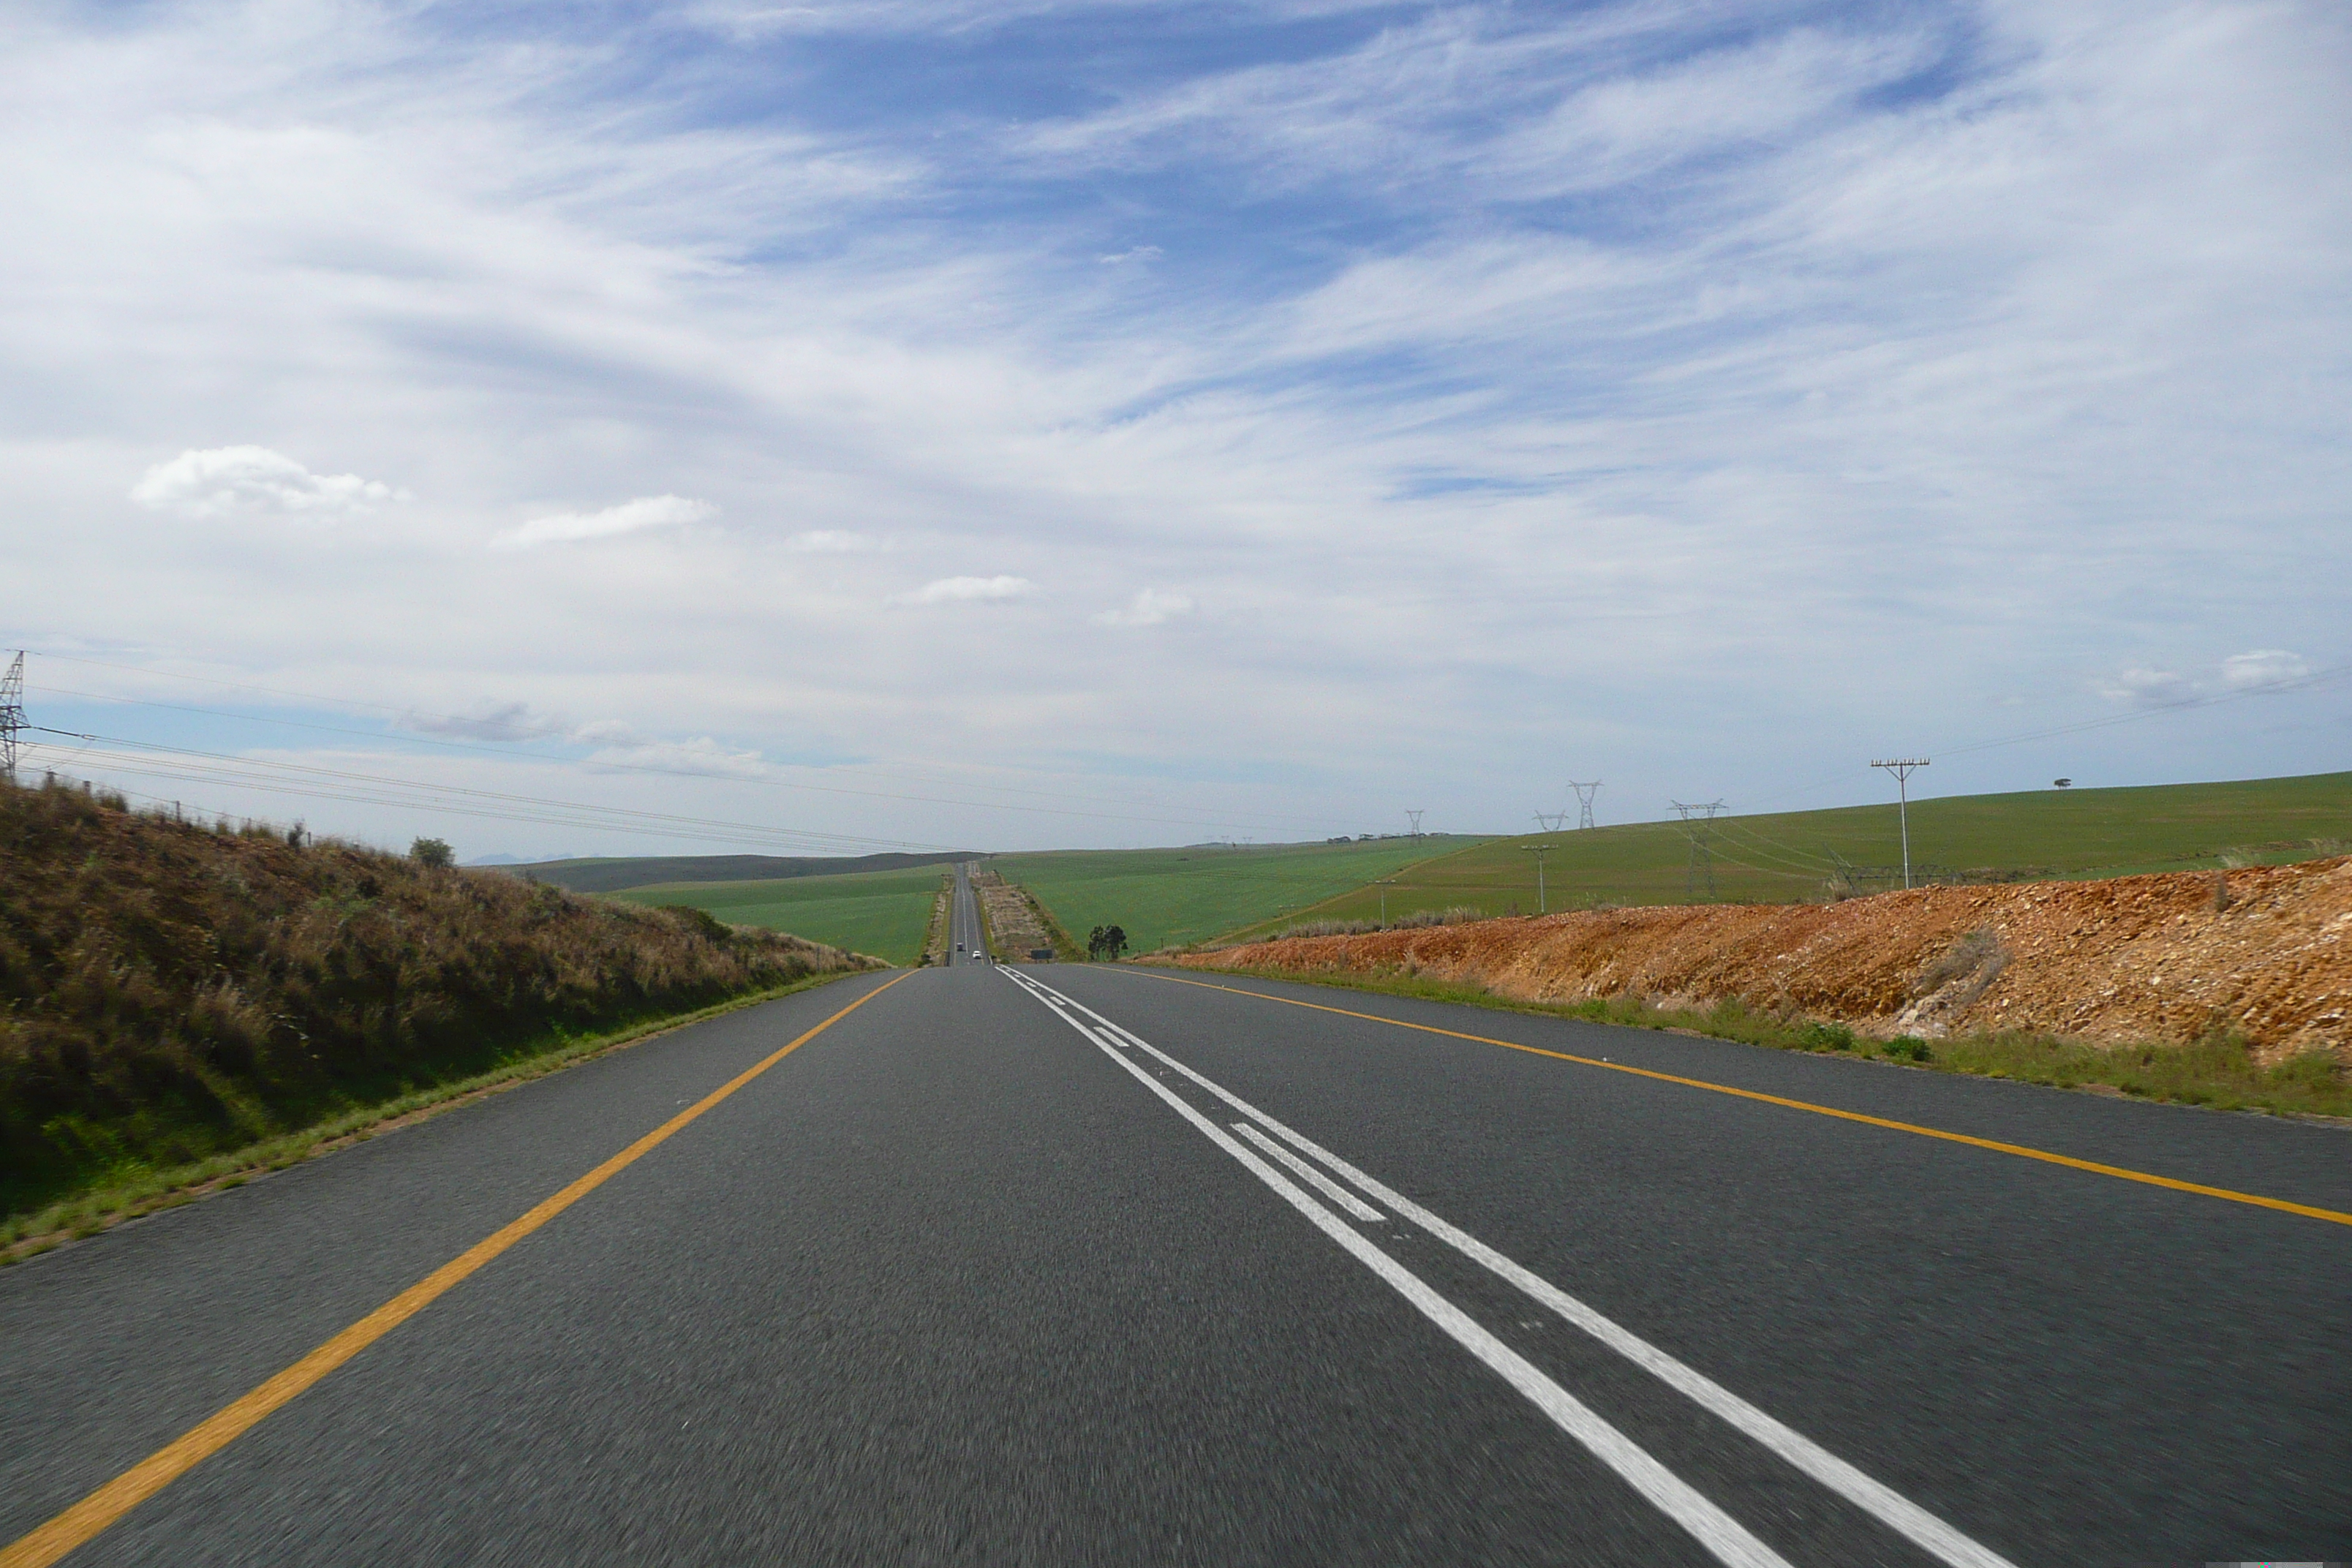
1584	794
12	715
1414	818
1539	851
1901	768
1384	884
1702	860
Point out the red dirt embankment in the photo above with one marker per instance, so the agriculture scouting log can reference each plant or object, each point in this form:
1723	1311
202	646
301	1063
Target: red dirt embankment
2266	950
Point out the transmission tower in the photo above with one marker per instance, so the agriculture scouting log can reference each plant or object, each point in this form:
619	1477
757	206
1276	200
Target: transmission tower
1551	822
1901	768
1702	861
1414	818
1584	794
12	715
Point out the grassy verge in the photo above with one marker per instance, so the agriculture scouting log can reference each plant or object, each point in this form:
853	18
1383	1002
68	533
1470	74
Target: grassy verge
935	935
1068	949
2218	1071
128	1192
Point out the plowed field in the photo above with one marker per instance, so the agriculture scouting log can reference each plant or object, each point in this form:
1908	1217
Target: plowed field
2266	950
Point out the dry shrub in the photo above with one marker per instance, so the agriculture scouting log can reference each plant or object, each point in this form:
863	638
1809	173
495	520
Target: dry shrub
168	990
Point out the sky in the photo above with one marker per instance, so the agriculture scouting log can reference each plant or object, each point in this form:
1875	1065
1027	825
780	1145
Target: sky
1041	425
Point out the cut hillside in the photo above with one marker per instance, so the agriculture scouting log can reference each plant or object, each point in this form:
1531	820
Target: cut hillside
2263	950
170	990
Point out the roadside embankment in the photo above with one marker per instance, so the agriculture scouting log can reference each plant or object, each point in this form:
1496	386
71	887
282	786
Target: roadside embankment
1017	923
170	990
2265	953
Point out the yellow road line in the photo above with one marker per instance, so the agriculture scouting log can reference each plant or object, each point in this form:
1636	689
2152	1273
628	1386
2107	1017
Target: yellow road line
2120	1173
88	1518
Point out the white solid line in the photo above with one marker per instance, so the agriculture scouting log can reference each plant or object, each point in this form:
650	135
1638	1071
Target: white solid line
1669	1493
1874	1498
1315	1178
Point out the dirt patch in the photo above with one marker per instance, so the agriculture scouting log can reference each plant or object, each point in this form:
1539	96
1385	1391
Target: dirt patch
2266	951
1014	926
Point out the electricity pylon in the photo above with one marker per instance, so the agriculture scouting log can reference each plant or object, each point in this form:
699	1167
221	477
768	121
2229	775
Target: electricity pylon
1702	860
12	715
1584	794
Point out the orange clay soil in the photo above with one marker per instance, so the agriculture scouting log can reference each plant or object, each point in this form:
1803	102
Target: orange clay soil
2137	959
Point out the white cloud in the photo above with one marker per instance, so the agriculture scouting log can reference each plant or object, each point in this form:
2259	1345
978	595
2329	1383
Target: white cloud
2262	667
828	542
2145	687
221	480
701	754
629	517
2257	669
1147	608
1138	252
966	590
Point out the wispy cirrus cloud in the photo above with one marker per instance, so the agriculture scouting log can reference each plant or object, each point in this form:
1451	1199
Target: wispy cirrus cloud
629	517
1627	365
1150	607
970	591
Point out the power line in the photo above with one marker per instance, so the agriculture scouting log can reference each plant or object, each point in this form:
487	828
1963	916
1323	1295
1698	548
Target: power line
1702	860
413	714
152	759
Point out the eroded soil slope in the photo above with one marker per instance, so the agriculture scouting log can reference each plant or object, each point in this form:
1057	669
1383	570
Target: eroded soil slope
2266	950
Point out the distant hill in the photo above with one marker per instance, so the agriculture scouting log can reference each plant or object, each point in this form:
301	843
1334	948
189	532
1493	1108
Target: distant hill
2048	834
610	876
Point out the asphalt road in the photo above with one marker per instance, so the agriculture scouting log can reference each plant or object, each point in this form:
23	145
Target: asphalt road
1084	1264
968	939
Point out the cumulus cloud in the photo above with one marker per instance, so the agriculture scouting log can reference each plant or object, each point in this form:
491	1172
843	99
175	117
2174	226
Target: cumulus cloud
1147	608
629	517
217	480
965	590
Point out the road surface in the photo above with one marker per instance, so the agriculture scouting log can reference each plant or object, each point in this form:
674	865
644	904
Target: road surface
1093	1264
968	939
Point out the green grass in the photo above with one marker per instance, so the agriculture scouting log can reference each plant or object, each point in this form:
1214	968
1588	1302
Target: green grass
133	1189
883	914
1160	896
2217	1072
1793	855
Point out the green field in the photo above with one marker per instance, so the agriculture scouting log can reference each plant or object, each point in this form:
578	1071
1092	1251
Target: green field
1794	856
1160	896
883	914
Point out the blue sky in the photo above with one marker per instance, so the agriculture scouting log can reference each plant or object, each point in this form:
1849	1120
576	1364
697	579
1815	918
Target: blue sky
1263	418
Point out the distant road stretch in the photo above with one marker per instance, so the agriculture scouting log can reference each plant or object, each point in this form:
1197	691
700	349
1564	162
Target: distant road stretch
1093	1264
